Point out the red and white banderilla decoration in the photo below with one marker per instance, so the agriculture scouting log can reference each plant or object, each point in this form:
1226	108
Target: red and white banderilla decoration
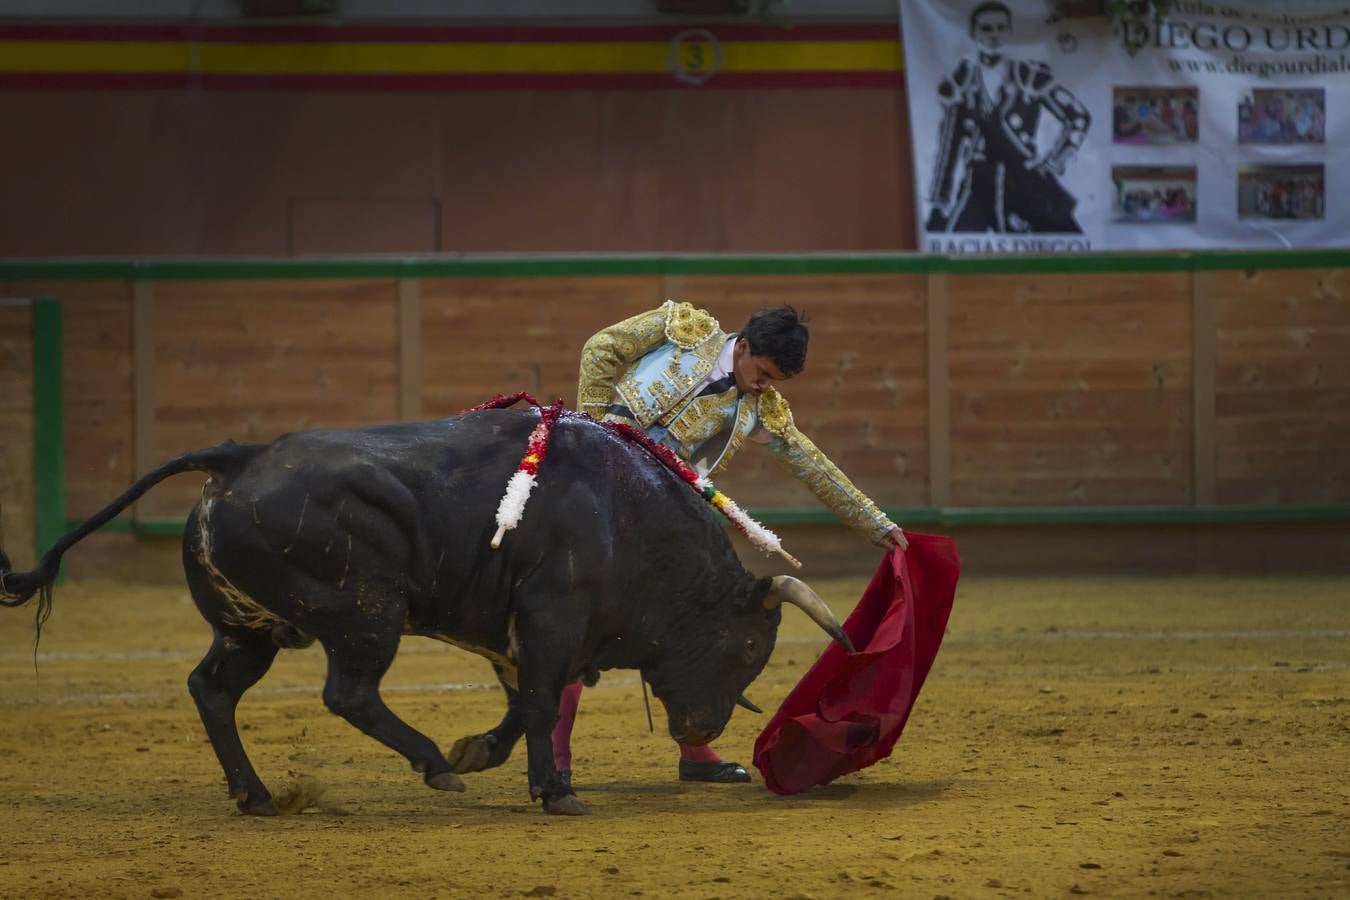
522	481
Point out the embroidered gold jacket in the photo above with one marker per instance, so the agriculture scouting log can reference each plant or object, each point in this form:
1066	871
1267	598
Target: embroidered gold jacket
645	369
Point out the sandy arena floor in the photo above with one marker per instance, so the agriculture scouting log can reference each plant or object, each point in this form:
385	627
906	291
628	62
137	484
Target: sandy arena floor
1110	737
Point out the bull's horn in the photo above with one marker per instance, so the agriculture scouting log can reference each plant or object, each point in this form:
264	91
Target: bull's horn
786	589
744	702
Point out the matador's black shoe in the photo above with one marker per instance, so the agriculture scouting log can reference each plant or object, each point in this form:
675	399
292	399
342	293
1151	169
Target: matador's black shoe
722	772
566	776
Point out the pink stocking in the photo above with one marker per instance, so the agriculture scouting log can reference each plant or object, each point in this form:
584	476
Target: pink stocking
562	732
704	753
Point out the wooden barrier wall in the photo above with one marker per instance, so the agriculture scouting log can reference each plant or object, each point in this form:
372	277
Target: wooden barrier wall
1170	388
251	360
1070	390
17	500
1282	386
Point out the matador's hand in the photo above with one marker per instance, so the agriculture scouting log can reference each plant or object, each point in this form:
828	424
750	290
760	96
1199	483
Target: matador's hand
896	538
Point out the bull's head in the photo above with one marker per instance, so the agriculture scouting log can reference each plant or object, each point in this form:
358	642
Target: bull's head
700	685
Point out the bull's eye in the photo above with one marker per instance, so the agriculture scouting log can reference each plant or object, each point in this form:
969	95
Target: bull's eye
751	646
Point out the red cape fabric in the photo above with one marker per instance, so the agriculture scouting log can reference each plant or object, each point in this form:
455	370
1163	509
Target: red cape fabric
849	710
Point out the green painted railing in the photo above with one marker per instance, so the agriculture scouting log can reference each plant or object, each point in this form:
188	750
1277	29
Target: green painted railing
985	516
511	266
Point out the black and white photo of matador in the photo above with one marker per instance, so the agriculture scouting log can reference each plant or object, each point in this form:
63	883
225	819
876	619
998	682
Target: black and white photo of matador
990	176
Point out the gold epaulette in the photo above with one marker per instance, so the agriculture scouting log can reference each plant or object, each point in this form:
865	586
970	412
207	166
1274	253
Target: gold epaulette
774	412
688	326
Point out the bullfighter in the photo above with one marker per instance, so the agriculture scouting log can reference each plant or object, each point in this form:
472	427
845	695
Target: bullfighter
674	373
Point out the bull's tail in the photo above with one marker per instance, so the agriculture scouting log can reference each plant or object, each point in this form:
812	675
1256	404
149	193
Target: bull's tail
17	588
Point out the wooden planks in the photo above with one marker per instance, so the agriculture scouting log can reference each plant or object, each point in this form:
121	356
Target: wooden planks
144	400
252	360
483	336
1282	383
1202	408
939	391
409	349
17	500
1071	390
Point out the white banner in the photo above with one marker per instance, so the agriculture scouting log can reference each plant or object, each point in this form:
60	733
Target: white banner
1034	133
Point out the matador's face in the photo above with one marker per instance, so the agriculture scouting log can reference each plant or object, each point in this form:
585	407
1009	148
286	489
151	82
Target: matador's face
754	374
990	30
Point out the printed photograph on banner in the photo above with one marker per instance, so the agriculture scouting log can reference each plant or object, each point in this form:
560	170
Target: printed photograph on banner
1153	194
1008	131
1282	192
1283	116
1155	115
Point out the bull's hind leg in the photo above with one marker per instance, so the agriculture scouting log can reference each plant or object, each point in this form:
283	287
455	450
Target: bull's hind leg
356	663
234	663
493	747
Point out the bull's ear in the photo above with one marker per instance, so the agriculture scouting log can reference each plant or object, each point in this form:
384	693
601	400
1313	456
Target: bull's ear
759	589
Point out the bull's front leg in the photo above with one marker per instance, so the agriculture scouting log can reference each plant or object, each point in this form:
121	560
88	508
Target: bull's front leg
541	685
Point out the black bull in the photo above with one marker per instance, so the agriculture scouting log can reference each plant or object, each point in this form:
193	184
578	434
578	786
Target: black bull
356	538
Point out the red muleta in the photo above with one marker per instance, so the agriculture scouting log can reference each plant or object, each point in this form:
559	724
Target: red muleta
849	709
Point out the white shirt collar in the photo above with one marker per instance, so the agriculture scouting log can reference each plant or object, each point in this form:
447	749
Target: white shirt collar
722	366
725	360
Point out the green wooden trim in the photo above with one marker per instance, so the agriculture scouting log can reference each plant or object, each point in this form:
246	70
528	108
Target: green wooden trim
49	442
909	516
512	266
173	527
1071	515
158	527
1142	515
1073	264
817	515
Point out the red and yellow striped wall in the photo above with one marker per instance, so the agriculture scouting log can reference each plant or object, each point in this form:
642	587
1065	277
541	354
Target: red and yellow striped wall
411	58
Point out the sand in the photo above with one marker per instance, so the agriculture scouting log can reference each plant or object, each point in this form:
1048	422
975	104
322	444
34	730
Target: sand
1184	736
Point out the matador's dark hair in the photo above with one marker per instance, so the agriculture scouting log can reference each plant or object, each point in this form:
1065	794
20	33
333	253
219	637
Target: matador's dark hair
781	335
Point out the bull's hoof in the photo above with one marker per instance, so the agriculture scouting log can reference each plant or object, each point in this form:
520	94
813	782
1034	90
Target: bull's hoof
566	805
263	807
445	781
471	754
